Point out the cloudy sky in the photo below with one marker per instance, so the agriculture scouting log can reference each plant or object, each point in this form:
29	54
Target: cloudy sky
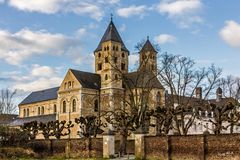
41	39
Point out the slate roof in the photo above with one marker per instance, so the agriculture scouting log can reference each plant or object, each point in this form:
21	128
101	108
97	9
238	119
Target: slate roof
112	34
140	79
87	79
41	118
7	118
148	47
39	96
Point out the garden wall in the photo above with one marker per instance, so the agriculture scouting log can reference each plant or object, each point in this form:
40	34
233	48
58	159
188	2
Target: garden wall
193	147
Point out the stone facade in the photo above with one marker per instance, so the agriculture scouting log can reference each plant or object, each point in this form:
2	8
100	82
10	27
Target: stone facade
84	93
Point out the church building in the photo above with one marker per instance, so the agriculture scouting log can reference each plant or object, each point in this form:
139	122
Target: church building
84	93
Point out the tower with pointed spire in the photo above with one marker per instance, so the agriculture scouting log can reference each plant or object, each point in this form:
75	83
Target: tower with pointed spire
111	57
148	57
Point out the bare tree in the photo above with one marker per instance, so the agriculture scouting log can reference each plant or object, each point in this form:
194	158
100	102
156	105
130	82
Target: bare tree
231	87
7	105
180	76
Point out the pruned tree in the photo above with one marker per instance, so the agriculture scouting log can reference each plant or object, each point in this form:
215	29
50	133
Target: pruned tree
90	126
7	105
46	129
180	76
61	128
31	129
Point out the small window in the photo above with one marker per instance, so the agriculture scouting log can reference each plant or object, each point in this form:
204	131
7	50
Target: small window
106	59
69	84
106	77
158	98
24	113
42	110
123	66
107	48
72	84
115	59
27	112
99	66
96	105
116	77
123	54
74	105
39	110
99	55
64	107
116	48
55	108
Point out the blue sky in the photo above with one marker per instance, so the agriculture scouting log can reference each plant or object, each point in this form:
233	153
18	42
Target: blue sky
41	39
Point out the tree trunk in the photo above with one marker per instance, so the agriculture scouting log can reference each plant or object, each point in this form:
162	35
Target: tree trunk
123	142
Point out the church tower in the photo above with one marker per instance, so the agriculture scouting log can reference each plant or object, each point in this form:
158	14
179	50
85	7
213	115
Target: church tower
148	57
111	58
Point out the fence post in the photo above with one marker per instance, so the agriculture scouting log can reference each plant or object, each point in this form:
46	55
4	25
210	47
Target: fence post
108	145
139	145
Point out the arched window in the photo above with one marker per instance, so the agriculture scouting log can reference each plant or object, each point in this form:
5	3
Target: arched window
99	54
72	84
64	107
27	112
39	111
69	84
65	85
116	77
106	59
123	55
24	113
158	98
116	48
123	66
106	77
96	105
107	48
55	108
42	109
74	105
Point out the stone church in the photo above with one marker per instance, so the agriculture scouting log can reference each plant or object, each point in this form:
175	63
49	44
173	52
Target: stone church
84	93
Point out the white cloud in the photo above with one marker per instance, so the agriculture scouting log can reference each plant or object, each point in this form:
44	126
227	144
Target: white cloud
179	7
164	38
93	9
182	12
230	33
132	11
42	71
19	46
81	32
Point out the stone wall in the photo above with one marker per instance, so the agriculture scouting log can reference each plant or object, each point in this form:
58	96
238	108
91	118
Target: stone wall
193	147
73	148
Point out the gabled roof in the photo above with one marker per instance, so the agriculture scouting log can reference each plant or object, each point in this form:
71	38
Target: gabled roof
6	119
41	118
148	47
39	96
87	80
111	34
145	79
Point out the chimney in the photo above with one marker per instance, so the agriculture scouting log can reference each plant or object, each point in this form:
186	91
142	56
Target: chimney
219	94
198	92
